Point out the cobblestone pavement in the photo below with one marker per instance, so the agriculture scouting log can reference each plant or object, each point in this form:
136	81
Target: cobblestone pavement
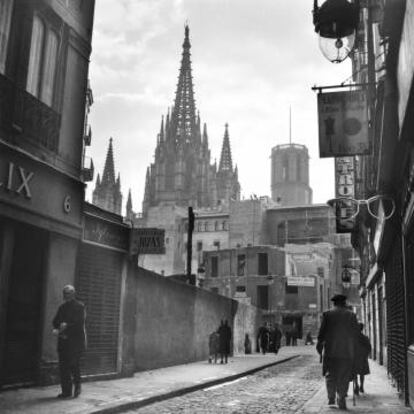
280	389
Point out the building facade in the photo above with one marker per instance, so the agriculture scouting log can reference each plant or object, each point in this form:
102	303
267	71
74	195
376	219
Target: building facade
45	48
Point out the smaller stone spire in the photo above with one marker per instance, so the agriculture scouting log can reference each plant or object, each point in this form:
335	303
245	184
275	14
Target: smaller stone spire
226	163
129	212
108	176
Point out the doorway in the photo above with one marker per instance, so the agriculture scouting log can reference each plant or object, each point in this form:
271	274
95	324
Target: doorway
23	311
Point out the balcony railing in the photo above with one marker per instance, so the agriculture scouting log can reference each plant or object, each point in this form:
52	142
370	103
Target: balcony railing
27	116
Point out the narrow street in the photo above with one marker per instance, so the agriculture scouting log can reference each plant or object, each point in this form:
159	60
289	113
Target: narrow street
283	388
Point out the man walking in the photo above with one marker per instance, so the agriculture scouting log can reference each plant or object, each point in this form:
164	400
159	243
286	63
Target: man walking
337	340
69	326
225	341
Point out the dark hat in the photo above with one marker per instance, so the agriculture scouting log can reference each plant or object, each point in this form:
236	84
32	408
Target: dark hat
338	299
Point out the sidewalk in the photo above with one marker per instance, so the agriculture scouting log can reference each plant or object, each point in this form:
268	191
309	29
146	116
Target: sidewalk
143	388
150	386
379	398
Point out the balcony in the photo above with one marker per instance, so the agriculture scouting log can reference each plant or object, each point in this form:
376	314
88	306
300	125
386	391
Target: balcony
23	114
88	172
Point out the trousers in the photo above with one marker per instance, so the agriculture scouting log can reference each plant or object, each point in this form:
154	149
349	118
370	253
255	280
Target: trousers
69	366
338	375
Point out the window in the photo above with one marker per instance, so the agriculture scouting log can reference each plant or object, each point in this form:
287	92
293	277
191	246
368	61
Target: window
42	62
216	244
206	226
241	264
291	289
320	271
241	288
224	225
216	225
214	266
6	7
262	268
199	246
263	297
199	226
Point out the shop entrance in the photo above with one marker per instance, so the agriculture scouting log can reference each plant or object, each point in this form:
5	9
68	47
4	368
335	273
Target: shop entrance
22	283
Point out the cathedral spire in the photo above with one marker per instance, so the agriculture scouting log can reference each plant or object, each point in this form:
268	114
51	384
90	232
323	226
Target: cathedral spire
108	176
183	116
226	163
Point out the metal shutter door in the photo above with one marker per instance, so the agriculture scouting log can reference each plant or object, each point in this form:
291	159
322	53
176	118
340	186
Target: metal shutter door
99	286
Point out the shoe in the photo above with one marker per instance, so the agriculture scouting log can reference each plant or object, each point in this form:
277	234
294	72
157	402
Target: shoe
361	389
77	391
63	396
331	401
341	403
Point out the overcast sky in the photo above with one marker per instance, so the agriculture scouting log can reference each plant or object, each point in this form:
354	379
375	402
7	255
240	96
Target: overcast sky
251	59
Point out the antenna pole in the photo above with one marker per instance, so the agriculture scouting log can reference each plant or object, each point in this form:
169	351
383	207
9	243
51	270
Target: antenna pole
290	124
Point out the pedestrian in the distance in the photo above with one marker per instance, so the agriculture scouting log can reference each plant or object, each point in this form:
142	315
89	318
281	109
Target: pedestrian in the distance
276	338
225	341
363	350
337	341
263	338
309	339
214	346
69	326
247	344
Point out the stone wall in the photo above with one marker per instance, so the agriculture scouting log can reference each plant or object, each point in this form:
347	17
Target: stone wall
169	322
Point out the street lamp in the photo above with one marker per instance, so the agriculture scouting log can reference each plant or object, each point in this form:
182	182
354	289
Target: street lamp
336	22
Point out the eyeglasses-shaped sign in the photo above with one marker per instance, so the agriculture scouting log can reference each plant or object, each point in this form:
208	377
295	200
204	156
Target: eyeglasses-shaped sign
379	207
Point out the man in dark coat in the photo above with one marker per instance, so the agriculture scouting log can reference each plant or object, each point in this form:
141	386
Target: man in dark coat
69	326
263	339
225	341
337	340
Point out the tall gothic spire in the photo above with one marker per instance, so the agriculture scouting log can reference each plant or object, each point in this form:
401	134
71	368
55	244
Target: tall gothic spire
108	175
226	163
183	116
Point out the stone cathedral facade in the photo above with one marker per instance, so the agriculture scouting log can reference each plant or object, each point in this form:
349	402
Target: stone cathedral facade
182	173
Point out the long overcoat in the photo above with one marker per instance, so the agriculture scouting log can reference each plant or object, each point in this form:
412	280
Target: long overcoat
71	340
337	337
362	353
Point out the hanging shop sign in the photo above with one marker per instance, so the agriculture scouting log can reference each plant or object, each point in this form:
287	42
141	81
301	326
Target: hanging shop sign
344	188
147	241
343	124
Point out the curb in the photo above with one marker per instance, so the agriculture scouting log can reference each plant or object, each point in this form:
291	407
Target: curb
130	405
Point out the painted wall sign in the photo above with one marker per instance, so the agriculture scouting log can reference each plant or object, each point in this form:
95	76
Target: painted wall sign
343	124
17	179
304	281
147	241
102	232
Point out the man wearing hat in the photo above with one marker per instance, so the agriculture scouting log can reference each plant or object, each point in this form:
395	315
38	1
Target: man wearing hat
69	326
337	340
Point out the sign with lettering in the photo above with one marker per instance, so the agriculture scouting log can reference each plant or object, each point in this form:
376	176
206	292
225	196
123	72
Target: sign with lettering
17	180
343	124
105	233
344	188
147	241
304	281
